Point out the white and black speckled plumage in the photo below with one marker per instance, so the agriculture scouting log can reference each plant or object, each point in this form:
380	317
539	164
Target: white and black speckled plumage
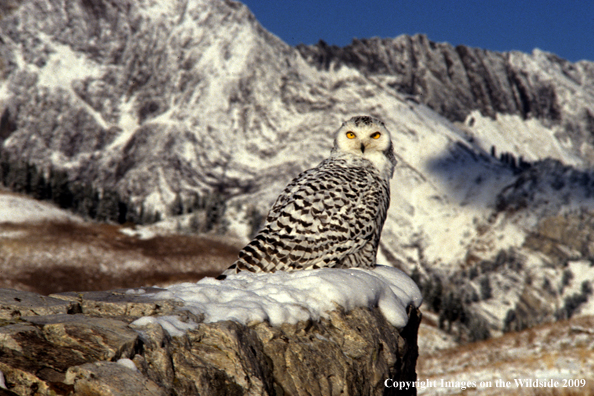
330	216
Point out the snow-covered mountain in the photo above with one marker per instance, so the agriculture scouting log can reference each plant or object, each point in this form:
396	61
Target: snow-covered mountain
140	111
468	84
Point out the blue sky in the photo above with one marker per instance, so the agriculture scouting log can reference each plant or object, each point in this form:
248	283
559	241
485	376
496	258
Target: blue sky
565	28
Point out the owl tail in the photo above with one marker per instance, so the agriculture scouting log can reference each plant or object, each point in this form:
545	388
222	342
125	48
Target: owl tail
231	270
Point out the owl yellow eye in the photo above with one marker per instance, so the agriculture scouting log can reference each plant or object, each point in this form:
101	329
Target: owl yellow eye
376	135
350	135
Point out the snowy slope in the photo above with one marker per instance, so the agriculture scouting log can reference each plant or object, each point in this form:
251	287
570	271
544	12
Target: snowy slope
561	352
461	82
19	209
191	108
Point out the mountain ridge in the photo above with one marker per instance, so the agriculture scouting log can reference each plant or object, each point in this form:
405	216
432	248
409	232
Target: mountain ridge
489	81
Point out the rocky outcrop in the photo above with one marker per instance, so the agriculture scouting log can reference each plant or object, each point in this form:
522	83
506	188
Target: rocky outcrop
454	81
86	344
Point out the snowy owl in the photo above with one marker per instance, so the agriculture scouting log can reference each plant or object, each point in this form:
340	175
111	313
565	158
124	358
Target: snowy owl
330	216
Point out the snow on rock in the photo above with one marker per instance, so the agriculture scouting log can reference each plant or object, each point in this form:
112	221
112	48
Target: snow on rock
290	297
174	326
127	363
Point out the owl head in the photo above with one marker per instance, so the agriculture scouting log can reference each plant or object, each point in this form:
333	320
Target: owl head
366	137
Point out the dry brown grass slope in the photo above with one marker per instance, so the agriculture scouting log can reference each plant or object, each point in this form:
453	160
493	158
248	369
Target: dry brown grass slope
50	257
563	349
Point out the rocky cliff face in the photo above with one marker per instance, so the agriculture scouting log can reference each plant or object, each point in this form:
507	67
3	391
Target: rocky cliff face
84	343
455	81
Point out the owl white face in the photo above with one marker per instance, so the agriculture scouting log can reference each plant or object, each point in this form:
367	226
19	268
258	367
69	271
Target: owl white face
367	137
362	138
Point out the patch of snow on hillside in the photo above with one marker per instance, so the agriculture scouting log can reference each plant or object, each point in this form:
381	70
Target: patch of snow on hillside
290	297
65	66
140	232
582	271
20	209
527	138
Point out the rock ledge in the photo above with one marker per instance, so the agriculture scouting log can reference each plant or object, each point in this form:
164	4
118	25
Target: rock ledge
84	344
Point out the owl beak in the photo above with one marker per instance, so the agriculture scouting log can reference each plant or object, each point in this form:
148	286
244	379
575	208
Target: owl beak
362	148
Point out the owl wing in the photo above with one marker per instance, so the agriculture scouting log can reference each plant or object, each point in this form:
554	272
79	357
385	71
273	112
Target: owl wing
324	215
